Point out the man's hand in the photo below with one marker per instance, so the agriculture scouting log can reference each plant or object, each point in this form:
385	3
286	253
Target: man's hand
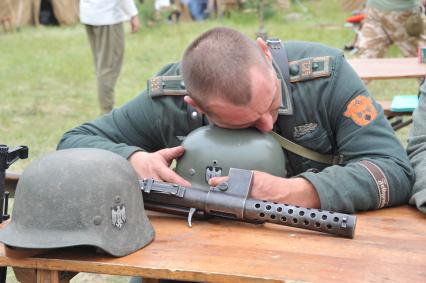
295	191
134	23
157	165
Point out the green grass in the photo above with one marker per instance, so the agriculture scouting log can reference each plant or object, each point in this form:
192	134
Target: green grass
47	82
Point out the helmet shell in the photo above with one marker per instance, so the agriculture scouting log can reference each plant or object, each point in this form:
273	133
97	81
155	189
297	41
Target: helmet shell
211	151
77	197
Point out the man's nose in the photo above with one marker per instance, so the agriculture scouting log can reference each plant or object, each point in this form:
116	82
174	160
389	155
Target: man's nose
265	123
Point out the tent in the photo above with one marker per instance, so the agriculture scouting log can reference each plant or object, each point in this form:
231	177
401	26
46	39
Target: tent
16	13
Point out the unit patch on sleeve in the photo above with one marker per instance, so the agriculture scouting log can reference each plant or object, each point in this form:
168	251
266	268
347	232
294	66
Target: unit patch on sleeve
361	110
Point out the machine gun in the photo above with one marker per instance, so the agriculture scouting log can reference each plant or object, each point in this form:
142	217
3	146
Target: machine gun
231	200
7	157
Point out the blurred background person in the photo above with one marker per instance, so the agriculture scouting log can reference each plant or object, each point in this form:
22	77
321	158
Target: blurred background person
105	31
390	22
416	150
197	9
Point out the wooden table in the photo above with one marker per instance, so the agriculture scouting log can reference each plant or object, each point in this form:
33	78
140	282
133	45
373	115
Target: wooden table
388	68
389	246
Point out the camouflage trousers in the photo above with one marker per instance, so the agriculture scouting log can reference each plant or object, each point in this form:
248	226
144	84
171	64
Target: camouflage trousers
384	28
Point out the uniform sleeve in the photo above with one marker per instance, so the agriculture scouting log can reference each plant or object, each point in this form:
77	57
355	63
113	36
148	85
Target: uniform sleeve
142	124
129	7
376	172
417	152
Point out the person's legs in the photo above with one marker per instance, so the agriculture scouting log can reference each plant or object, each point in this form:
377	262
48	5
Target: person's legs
394	23
109	42
196	9
373	40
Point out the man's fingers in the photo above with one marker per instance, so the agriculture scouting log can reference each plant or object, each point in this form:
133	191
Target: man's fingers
215	181
171	153
171	177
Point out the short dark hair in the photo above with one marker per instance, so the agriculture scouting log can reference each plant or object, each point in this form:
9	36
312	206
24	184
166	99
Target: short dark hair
218	63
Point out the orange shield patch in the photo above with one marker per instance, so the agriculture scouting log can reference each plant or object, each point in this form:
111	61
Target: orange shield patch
361	110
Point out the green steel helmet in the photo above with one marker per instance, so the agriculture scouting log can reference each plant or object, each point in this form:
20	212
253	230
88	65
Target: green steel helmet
211	151
76	197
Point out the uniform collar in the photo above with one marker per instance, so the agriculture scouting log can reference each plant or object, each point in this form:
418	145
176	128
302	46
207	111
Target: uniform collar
286	107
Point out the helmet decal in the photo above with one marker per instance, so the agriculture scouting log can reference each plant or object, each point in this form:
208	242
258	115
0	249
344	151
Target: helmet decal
213	171
118	214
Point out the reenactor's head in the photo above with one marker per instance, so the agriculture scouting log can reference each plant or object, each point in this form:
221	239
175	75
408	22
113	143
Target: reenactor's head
231	79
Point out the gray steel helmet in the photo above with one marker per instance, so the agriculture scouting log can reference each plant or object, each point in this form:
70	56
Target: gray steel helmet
79	197
211	151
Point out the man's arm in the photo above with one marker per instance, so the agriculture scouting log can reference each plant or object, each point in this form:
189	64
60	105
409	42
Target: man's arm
140	131
130	9
376	172
417	152
295	191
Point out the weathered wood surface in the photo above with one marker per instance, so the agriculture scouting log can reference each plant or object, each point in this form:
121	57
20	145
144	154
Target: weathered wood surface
389	245
11	181
388	68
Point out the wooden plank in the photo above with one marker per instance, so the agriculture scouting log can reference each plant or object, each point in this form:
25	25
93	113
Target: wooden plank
388	245
11	181
388	68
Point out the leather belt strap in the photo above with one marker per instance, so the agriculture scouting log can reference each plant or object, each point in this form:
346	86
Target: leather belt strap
306	152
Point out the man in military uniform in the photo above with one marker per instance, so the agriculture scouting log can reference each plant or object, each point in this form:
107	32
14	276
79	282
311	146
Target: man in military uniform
417	151
388	22
305	92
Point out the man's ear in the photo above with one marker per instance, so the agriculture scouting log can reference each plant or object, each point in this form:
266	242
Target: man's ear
194	104
262	44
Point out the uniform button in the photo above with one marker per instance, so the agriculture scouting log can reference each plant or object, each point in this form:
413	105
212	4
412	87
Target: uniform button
315	66
313	170
194	115
294	70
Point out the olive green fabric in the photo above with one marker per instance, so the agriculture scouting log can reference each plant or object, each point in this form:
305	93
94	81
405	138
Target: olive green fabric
317	122
107	44
417	151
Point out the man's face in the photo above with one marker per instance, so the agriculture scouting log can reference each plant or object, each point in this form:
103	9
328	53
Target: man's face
260	113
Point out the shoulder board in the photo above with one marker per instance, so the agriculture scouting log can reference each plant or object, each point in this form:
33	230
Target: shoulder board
166	85
309	68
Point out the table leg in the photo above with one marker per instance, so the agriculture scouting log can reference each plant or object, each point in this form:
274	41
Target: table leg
54	276
25	275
